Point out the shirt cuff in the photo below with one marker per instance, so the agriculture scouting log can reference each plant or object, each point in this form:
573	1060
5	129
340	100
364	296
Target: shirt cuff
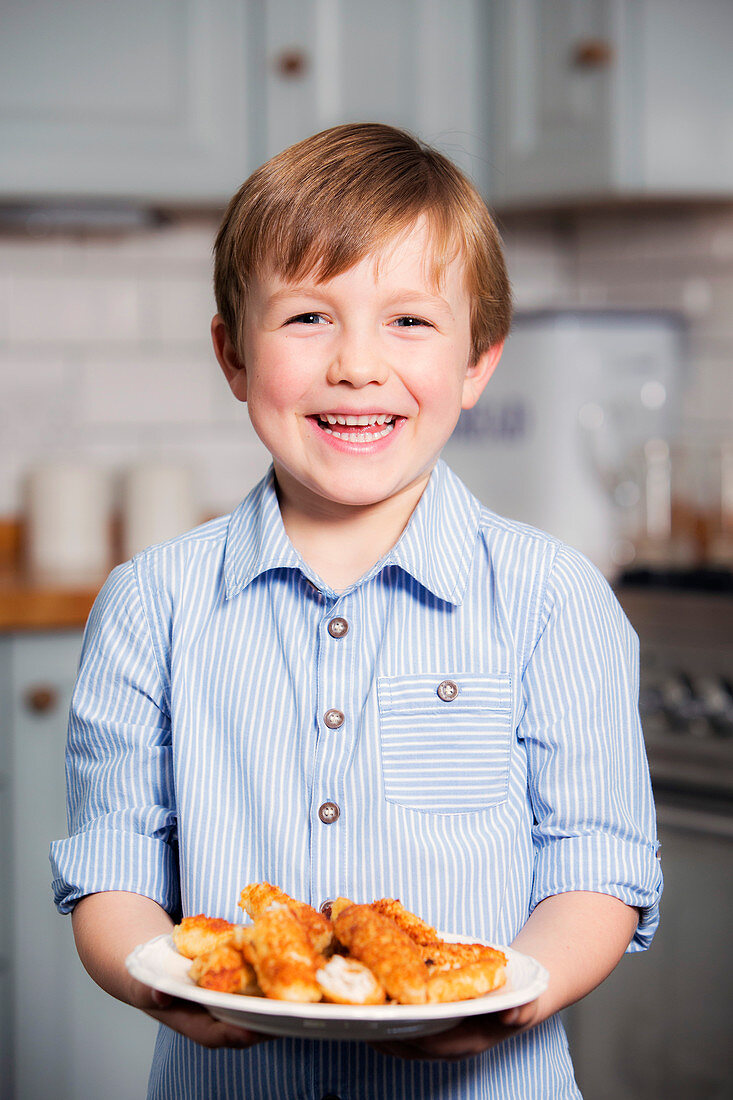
603	864
104	859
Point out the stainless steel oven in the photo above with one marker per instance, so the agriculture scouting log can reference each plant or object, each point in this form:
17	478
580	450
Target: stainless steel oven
660	1027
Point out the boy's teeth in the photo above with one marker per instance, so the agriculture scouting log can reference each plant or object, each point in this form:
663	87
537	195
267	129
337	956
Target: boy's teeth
355	421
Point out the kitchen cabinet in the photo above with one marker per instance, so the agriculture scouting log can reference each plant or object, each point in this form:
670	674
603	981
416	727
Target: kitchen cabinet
141	99
596	99
163	101
63	1036
659	1026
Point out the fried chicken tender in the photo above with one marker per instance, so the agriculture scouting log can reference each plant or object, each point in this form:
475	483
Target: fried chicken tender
465	982
390	954
348	982
415	928
258	896
197	935
224	969
283	957
448	956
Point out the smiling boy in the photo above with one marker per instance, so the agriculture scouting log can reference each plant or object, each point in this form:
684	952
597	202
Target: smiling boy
263	699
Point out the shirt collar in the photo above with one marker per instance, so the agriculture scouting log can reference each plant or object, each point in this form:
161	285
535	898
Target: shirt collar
436	547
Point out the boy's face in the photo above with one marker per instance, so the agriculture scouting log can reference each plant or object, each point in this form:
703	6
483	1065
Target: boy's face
355	384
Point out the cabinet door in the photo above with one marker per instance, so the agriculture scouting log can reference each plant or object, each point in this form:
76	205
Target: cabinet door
659	1026
72	1041
551	75
418	64
141	99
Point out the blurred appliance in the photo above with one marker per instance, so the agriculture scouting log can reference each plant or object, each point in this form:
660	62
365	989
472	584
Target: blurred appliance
554	438
659	1027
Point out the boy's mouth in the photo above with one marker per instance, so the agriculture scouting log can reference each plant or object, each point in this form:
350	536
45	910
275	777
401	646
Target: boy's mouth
364	428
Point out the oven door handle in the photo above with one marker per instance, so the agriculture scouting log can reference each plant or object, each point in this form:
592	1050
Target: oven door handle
694	821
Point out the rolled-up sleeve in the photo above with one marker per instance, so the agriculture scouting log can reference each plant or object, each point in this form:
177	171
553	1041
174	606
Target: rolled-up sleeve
594	819
121	808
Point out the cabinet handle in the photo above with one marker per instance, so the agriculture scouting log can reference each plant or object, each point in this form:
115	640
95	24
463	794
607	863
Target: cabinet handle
592	53
41	698
291	63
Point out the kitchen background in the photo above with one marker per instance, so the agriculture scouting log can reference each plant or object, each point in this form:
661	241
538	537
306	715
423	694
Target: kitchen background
601	133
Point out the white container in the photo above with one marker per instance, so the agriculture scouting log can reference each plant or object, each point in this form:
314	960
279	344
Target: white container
158	502
68	523
575	395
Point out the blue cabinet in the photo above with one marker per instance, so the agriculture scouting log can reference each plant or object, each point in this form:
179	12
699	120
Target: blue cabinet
610	98
63	1036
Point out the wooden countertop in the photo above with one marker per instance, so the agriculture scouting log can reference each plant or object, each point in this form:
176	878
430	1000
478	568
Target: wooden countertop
29	604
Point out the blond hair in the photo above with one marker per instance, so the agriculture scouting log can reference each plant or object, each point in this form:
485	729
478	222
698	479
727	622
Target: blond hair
329	201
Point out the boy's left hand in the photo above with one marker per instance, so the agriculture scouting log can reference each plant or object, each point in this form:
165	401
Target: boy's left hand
475	1035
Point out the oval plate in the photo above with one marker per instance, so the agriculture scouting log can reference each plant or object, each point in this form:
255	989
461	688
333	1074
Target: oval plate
158	964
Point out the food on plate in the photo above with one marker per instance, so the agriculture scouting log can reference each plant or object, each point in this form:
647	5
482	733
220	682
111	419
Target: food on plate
283	956
462	983
364	955
225	970
415	928
258	896
390	954
348	982
197	935
448	956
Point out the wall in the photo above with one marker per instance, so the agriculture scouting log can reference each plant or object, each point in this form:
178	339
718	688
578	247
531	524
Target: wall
105	354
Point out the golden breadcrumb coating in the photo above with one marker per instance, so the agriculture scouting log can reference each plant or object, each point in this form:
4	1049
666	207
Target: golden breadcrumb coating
197	935
389	952
348	982
415	928
447	956
465	982
283	957
338	906
224	969
258	896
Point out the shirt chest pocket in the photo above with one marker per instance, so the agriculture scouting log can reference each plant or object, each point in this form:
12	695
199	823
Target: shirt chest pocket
445	740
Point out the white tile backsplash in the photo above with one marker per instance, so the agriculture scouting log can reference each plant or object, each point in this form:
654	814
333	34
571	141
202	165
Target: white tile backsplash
105	353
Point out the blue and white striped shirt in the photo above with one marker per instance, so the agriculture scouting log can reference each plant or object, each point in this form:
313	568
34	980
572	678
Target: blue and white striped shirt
199	756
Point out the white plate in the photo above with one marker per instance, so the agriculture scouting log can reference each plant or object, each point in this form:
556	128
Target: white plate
158	964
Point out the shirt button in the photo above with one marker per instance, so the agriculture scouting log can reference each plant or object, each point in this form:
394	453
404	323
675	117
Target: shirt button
328	812
447	690
325	907
334	719
338	627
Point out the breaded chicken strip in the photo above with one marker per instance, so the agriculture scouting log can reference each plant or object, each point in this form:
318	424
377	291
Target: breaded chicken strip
258	896
389	952
465	982
197	935
349	982
415	928
283	956
225	970
448	956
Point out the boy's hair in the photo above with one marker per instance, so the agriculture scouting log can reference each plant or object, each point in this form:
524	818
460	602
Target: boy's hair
326	203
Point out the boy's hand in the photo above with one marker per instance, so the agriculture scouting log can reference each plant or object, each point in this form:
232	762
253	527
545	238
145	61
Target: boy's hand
475	1035
194	1021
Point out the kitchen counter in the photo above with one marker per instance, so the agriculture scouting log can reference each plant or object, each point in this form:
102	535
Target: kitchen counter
28	604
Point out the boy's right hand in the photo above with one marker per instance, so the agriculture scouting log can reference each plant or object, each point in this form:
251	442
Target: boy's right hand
192	1020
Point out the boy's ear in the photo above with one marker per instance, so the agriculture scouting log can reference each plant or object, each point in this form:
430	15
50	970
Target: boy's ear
478	374
228	358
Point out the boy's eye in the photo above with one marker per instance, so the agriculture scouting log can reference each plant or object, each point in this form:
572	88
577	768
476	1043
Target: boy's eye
307	319
412	322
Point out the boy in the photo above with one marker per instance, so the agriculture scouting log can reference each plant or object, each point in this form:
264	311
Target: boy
361	682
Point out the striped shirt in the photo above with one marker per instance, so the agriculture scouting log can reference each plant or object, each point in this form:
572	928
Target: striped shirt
201	749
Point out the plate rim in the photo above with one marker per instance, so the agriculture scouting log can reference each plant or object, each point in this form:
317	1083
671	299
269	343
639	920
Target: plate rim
263	1007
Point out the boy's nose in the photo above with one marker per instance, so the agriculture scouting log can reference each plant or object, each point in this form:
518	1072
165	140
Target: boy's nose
357	362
